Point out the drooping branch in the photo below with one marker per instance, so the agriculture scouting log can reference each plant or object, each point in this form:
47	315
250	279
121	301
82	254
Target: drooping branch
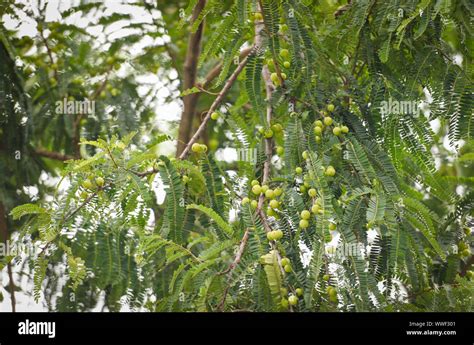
189	79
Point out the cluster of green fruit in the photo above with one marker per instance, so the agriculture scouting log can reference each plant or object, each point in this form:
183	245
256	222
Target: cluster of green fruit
91	183
319	125
292	298
199	148
464	249
268	133
285	55
270	196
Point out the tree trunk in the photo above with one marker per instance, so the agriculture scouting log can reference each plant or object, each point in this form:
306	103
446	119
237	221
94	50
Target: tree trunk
4	237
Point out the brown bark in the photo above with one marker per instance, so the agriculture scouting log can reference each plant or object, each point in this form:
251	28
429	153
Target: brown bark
53	155
189	80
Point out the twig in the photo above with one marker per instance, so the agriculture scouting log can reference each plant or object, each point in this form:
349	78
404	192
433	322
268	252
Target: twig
214	106
53	155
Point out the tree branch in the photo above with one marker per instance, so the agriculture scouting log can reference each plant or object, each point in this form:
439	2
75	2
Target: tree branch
53	155
189	79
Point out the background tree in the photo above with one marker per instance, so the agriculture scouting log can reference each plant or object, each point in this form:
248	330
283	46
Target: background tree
299	86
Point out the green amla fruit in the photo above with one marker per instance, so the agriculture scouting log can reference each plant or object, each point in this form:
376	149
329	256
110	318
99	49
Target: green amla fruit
264	188
257	190
99	181
332	226
326	277
283	28
287	64
315	208
305	155
299	292
328	121
258	16
305	214
330	171
470	274
299	170
318	130
84	194
284	303
336	131
304	224
287	268
254	204
277	128
274	204
284	53
302	188
280	150
215	115
293	300
270	194
285	261
87	184
278	191
198	148
330	107
245	201
312	192
268	133
345	129
274	77
284	291
254	182
270	212
283	76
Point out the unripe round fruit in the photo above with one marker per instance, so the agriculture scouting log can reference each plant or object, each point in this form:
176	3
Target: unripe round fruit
278	191
318	130
284	53
214	115
312	192
277	128
110	60
283	76
284	291
285	261
213	144
270	212
293	300
305	214
284	303
269	194
185	179
326	277
345	129
331	107
467	231
254	204
298	170
332	226
258	16
318	123
268	133
256	190
330	171
103	94
333	298
84	194
87	184
270	63
317	139
304	223
264	188
274	77
305	155
274	203
283	28
261	130
280	150
203	148
278	234
466	253
315	208
303	189
287	64
336	131
287	268
328	121
470	274
245	201
254	182
114	92
99	181
270	236
196	148
299	292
